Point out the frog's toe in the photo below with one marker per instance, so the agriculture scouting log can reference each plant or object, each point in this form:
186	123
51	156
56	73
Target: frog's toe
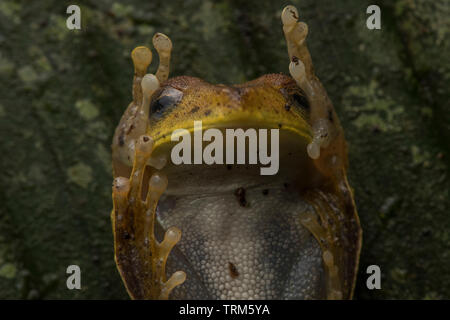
298	73
171	238
141	57
297	30
163	46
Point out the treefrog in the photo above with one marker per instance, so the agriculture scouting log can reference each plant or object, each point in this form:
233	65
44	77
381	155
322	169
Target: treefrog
223	231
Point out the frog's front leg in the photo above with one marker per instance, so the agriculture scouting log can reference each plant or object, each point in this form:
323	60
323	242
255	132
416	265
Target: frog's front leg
140	257
302	71
134	121
334	222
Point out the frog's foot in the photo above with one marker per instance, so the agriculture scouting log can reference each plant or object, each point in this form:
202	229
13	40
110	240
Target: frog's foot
142	57
134	122
140	257
301	69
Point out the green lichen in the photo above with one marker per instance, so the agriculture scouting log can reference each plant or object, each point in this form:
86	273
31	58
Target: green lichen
146	30
80	174
87	109
372	108
8	271
121	10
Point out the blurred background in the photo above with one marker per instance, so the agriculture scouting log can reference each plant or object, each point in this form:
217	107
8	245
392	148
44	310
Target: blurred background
62	92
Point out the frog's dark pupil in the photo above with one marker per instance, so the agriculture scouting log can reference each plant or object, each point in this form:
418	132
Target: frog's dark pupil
162	103
166	100
301	100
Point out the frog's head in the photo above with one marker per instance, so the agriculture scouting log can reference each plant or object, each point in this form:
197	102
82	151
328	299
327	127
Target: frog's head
312	160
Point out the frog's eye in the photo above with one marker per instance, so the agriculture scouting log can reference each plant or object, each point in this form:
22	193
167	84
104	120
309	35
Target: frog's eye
165	102
301	101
